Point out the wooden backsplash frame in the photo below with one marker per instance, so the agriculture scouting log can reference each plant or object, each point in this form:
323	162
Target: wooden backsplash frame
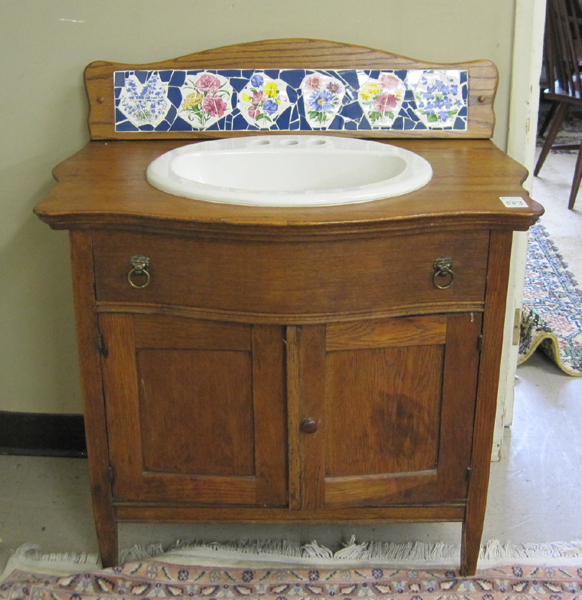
291	54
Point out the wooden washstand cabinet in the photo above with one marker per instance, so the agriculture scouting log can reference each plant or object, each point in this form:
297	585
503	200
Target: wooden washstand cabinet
289	365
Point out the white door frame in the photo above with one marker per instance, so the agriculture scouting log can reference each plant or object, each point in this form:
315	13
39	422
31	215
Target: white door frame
521	141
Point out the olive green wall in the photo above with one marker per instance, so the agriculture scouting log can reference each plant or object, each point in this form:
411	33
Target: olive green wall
44	47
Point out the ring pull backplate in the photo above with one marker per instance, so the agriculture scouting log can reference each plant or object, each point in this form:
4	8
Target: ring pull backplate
139	276
443	272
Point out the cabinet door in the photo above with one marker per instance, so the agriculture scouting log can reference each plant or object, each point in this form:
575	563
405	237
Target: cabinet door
195	410
393	403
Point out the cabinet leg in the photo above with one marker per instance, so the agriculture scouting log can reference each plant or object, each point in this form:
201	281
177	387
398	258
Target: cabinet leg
470	548
107	540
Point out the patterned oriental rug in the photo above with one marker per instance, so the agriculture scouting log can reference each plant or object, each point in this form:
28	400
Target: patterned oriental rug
176	575
159	580
552	306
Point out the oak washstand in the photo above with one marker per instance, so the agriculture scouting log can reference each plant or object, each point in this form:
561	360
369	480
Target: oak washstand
289	364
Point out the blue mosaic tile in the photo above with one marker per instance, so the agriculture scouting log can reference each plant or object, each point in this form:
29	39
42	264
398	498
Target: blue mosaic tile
180	125
118	80
230	73
459	124
293	77
290	100
399	123
238	83
126	126
178	78
174	96
352	111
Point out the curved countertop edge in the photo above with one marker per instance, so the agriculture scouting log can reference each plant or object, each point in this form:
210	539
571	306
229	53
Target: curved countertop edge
104	184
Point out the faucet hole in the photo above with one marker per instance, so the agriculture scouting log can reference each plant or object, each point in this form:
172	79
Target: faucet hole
318	142
289	143
260	142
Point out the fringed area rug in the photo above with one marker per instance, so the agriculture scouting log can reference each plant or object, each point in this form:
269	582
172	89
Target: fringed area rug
552	306
184	573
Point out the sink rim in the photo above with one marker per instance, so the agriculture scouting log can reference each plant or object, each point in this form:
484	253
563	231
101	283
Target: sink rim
416	174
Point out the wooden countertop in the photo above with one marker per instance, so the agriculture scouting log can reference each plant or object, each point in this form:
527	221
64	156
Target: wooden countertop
104	184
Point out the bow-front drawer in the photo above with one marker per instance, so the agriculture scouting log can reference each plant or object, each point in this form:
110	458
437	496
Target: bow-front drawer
303	278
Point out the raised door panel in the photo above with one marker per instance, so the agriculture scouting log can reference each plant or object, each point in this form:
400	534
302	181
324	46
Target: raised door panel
195	410
382	410
208	437
395	407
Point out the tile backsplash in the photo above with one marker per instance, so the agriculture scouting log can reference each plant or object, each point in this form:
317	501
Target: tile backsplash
290	100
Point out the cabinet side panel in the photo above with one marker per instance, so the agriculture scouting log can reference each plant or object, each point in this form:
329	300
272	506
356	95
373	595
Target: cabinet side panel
495	300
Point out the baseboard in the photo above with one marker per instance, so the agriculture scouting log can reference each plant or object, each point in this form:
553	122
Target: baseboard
39	434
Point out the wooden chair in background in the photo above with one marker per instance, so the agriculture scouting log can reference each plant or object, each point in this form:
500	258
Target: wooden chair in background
562	53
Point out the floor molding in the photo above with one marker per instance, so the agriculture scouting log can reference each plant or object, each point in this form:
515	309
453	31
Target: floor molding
41	434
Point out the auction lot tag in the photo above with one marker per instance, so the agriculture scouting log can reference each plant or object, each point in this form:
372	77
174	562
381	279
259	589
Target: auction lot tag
513	201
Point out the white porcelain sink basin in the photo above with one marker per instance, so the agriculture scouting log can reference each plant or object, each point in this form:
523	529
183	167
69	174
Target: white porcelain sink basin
289	170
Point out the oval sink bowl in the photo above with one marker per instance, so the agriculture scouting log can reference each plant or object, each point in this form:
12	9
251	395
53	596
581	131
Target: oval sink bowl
289	170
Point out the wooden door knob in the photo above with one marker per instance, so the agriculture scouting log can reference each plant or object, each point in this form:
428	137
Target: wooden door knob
309	425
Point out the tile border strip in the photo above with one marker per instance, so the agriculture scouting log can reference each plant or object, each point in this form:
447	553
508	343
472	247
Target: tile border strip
295	99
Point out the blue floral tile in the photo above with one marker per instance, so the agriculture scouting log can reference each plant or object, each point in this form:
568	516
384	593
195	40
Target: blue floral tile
263	100
143	99
439	98
290	100
322	100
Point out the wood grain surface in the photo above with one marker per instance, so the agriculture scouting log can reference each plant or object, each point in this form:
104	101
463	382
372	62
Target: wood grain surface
104	185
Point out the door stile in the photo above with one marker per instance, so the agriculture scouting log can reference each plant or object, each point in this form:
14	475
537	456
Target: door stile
306	416
120	375
268	352
458	407
293	358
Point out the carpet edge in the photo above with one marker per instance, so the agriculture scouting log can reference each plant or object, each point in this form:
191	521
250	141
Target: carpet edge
284	554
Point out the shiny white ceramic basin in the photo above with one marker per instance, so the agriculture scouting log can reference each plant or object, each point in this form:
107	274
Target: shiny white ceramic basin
289	170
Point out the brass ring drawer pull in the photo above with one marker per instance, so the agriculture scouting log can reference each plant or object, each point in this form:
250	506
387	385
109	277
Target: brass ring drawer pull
443	270
139	268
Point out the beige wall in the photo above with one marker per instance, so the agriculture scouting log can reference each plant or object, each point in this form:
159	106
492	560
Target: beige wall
44	47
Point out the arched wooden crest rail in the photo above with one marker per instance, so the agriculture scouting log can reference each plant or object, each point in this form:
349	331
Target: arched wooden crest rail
291	54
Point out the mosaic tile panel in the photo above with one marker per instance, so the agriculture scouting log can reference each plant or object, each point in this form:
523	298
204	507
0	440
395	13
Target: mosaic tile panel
290	100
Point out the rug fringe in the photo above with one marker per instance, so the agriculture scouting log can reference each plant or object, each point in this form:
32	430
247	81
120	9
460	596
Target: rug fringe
412	554
288	554
29	557
494	550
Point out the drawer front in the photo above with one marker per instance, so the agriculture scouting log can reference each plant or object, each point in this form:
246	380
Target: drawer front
295	278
